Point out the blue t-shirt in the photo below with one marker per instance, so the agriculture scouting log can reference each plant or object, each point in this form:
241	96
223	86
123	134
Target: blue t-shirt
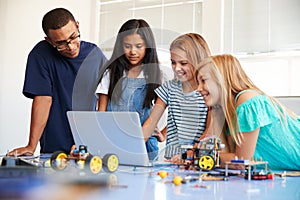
278	141
70	81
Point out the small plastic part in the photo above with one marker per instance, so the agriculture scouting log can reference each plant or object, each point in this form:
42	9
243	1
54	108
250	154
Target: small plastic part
240	161
58	160
163	174
177	180
110	163
93	164
271	176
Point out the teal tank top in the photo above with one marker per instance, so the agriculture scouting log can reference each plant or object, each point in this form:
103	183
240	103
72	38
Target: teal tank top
278	140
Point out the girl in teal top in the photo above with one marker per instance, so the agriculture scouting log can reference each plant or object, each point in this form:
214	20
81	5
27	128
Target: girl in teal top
259	126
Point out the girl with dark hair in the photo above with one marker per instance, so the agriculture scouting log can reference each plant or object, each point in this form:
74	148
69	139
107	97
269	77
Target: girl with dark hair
132	73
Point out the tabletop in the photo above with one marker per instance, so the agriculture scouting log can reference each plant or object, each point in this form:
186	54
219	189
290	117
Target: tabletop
142	183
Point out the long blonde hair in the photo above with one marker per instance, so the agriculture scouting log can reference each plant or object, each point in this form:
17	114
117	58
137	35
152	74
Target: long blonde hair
227	71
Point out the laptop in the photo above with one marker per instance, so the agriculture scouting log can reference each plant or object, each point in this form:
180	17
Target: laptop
119	133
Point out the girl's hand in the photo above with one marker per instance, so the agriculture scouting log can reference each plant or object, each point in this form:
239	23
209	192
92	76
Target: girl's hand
176	159
160	135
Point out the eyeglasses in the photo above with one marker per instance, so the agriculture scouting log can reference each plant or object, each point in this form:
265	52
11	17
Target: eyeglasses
65	44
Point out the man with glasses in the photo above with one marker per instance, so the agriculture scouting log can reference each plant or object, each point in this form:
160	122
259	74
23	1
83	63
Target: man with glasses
61	75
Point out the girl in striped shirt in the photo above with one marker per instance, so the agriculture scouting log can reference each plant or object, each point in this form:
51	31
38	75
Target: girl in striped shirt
187	112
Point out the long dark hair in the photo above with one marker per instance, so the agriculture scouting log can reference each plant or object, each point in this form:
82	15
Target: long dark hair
118	62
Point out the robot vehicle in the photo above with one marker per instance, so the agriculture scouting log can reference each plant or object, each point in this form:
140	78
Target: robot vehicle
84	160
205	156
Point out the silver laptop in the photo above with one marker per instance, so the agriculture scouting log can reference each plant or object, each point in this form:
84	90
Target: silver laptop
110	132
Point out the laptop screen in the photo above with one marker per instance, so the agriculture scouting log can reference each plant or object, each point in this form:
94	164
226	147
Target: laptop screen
110	132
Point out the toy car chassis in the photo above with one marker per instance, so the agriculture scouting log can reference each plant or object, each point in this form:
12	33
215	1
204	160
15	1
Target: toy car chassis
84	160
205	156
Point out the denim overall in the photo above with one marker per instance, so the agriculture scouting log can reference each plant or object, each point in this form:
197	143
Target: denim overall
133	94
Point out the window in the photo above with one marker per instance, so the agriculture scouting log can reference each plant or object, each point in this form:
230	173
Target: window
261	25
263	34
167	18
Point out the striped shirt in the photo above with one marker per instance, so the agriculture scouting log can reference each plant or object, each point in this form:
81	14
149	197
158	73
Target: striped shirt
186	115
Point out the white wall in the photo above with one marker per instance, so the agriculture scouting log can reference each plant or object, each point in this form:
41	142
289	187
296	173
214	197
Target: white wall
212	25
21	29
276	73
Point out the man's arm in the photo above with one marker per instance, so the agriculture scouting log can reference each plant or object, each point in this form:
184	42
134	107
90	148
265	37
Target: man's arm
39	116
